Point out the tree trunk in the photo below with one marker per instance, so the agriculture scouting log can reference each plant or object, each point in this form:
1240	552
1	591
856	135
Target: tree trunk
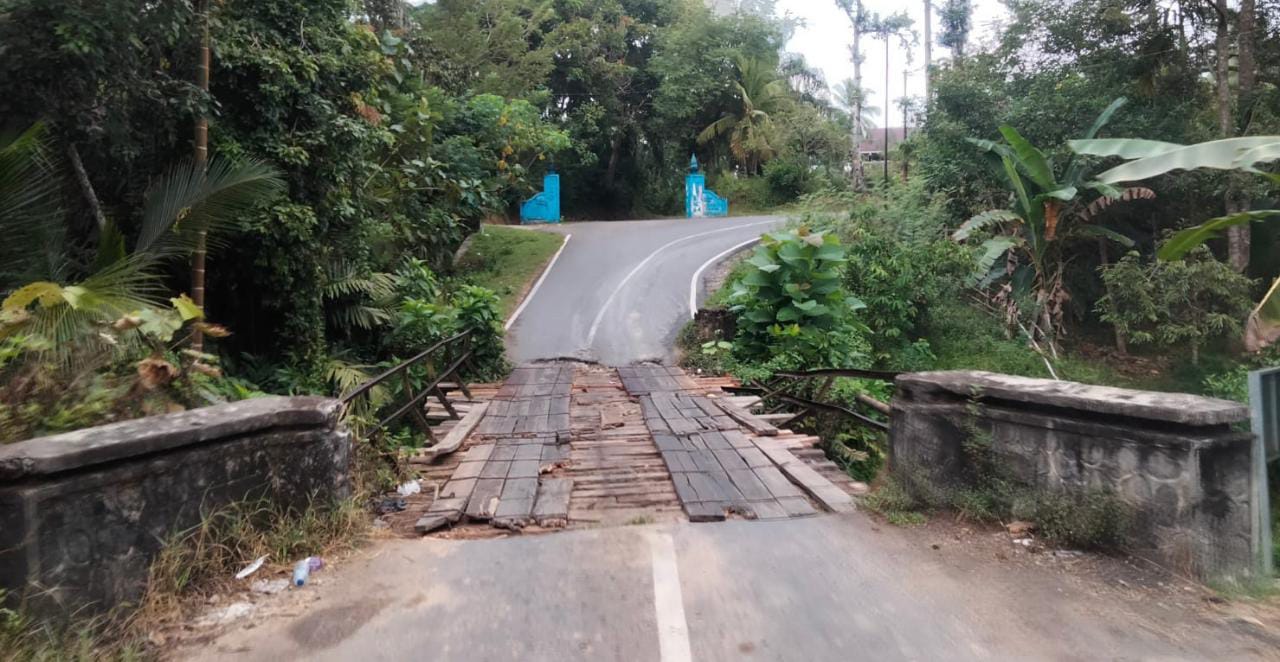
1240	237
928	53
856	173
86	186
201	157
1237	237
615	146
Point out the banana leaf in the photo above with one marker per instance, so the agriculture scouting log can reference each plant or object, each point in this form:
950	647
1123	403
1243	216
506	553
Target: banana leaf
1153	158
1181	243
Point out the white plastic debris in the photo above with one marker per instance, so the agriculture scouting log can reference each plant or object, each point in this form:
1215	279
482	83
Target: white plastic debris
251	568
410	488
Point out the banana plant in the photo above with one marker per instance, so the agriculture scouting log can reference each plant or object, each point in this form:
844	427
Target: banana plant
1152	158
1047	211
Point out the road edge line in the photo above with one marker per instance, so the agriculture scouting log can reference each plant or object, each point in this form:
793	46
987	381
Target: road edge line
595	324
668	600
693	284
529	297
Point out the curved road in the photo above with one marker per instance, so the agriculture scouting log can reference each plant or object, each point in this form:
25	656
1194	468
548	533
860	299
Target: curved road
619	292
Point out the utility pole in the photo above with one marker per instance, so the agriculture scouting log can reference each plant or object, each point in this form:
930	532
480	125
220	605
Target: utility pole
886	109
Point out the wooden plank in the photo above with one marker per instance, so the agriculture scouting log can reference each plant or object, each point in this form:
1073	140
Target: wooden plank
768	509
495	469
678	461
528	452
467	470
796	506
457	488
754	458
505	452
484	498
522	469
478	453
777	483
730	460
748	420
749	484
706	511
552	504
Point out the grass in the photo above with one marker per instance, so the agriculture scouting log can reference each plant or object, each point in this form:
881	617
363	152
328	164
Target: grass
507	260
193	564
202	560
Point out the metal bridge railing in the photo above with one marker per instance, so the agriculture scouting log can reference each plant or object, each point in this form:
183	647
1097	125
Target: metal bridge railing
783	390
453	352
1264	415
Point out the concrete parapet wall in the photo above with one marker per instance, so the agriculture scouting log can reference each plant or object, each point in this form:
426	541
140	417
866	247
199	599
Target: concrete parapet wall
1179	461
83	514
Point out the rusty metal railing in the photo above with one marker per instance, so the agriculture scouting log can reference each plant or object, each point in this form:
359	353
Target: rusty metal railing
782	390
454	351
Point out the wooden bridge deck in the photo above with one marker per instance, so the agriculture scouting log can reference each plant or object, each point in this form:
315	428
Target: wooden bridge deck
580	445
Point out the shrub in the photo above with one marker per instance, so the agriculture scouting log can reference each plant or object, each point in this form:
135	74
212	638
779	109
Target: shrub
791	308
787	180
1184	303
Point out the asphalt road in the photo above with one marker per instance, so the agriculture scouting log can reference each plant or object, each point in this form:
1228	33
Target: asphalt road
822	588
619	292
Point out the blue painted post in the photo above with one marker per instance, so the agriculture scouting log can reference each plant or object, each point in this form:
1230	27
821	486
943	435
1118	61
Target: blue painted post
545	206
698	201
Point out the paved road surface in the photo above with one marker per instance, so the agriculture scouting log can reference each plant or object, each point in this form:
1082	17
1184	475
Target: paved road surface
821	588
619	292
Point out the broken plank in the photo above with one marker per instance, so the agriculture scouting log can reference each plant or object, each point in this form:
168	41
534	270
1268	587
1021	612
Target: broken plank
459	433
484	498
748	420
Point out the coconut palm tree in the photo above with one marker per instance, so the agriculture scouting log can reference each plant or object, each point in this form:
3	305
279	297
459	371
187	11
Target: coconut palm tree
749	125
63	305
851	99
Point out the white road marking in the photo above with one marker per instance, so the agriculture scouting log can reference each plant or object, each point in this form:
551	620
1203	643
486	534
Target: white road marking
668	602
595	325
545	273
693	284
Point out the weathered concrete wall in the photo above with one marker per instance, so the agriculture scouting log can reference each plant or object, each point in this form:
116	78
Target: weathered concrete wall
82	514
1175	459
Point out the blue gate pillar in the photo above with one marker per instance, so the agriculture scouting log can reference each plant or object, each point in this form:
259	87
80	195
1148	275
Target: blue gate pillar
698	200
545	206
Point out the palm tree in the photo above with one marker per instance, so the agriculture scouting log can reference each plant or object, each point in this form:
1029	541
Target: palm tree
759	92
849	98
63	307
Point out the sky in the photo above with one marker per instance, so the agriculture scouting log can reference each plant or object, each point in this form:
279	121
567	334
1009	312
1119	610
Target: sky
827	36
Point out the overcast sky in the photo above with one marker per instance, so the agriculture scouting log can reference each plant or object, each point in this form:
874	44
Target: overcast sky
827	36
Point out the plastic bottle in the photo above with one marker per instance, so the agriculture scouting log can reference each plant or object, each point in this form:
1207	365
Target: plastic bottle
303	569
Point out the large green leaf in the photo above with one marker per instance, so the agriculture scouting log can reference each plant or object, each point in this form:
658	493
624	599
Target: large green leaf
1106	233
1181	243
992	250
1125	148
1075	169
1217	155
1029	159
983	220
1263	328
189	201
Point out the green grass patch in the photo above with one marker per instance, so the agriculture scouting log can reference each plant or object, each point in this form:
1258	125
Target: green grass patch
507	260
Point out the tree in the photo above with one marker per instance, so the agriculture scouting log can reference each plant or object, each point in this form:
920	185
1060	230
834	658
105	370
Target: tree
1048	210
885	28
749	125
853	101
956	22
854	10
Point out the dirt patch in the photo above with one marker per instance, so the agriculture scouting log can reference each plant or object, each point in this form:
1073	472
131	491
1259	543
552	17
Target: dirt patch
1127	585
